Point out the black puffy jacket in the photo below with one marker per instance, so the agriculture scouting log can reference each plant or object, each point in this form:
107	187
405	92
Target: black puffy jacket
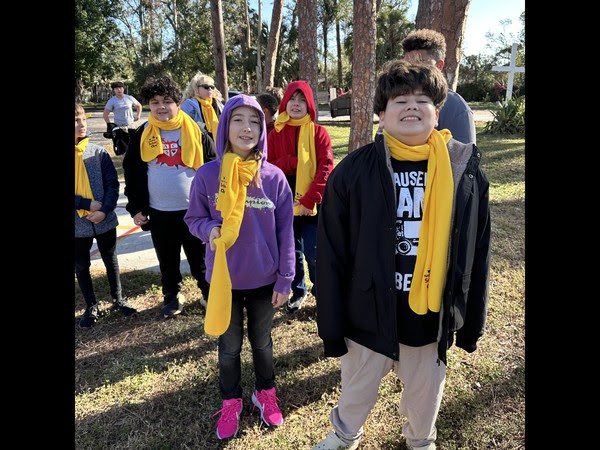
356	264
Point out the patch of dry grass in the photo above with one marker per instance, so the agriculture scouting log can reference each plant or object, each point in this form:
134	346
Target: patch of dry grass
148	383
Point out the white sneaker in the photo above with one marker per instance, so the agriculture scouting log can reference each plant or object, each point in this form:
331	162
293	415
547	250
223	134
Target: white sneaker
430	446
333	442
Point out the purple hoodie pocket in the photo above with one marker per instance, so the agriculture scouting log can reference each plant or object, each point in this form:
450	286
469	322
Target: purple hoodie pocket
250	262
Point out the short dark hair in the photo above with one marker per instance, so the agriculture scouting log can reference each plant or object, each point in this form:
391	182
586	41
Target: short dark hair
268	101
425	39
399	77
163	86
116	84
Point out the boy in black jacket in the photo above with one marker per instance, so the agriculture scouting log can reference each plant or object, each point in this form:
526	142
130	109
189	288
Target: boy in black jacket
403	257
163	156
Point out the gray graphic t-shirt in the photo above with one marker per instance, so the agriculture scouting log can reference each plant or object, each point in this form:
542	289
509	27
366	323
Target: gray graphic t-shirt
169	180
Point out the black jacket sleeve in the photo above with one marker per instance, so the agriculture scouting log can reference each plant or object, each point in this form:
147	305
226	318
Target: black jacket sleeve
136	176
332	259
208	146
477	302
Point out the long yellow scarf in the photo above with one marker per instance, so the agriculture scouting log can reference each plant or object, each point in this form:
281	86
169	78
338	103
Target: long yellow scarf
236	174
82	181
210	116
430	267
192	152
307	155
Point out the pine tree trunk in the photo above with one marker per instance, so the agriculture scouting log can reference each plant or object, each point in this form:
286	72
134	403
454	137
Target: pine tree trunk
307	44
216	14
273	44
449	17
363	73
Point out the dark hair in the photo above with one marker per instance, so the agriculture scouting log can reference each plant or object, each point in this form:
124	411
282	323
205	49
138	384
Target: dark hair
268	101
116	84
163	86
424	39
399	77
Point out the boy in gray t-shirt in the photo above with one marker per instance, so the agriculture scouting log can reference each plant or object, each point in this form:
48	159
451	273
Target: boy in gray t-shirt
121	105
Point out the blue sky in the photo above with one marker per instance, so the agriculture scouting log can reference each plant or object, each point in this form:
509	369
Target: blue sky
483	16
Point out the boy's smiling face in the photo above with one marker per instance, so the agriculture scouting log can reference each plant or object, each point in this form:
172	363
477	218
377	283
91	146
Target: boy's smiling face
410	118
163	108
297	107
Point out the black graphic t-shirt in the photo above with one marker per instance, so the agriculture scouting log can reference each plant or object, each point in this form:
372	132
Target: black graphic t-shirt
410	179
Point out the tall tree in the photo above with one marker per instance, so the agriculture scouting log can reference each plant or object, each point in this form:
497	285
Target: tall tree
307	44
273	44
449	17
216	14
363	73
259	83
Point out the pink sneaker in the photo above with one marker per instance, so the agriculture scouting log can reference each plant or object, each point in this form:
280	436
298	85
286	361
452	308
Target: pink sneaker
266	401
227	425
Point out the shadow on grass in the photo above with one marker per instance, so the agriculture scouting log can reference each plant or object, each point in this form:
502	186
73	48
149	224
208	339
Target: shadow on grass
467	406
184	418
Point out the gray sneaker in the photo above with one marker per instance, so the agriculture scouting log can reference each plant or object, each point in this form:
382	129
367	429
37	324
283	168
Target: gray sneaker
294	304
333	442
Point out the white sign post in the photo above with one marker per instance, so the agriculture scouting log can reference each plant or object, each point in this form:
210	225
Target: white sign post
511	69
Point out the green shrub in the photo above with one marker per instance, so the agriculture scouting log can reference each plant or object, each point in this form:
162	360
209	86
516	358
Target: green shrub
509	118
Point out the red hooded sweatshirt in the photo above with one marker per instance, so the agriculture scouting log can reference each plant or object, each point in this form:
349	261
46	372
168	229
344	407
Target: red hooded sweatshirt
283	147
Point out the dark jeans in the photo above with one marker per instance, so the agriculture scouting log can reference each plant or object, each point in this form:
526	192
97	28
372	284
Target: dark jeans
305	243
260	314
107	245
169	233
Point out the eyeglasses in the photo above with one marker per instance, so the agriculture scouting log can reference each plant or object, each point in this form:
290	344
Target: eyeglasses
206	86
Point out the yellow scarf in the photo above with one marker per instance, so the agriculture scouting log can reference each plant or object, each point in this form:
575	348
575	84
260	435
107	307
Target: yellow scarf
82	181
210	116
192	153
236	174
307	155
430	267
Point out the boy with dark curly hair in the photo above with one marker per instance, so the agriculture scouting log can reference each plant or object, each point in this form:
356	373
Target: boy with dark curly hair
403	261
159	167
429	46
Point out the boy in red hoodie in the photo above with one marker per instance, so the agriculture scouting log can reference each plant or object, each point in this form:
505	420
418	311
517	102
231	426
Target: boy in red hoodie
302	150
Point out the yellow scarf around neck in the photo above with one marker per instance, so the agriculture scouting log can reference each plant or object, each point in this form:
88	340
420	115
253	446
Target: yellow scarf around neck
236	174
82	181
192	152
430	268
307	155
210	116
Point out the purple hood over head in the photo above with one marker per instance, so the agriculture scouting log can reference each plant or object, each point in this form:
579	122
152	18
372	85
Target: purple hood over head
223	128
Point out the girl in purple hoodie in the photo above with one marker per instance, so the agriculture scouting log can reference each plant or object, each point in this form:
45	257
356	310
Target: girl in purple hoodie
260	262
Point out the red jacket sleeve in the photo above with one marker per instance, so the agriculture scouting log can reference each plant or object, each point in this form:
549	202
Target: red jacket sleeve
281	151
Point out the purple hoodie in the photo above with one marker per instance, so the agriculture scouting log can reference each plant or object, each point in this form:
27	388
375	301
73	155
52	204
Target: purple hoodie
264	251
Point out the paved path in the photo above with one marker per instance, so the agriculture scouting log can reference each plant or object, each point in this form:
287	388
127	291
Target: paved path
134	246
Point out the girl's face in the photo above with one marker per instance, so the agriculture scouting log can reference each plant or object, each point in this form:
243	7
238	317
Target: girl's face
244	130
296	106
163	107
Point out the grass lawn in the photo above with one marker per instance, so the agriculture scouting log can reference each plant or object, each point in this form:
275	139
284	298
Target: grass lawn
148	383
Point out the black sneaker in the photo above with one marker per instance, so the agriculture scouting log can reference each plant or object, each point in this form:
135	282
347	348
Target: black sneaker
125	307
89	318
173	307
294	304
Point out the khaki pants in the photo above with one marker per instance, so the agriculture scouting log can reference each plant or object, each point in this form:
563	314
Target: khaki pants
418	369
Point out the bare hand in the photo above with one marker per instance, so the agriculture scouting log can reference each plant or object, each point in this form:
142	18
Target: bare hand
304	211
95	205
140	219
214	234
96	217
279	299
